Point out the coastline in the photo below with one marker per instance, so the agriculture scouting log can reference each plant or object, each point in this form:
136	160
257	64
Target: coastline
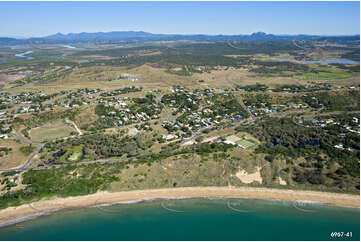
13	215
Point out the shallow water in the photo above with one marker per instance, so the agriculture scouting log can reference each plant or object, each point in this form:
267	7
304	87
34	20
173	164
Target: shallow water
23	55
192	219
69	46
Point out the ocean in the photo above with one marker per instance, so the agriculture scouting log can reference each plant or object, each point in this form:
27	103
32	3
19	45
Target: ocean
194	219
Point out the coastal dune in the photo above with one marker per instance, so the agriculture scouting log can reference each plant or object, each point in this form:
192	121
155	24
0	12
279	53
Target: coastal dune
13	215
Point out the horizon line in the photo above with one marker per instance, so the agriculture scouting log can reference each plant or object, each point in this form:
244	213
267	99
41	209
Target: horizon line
16	36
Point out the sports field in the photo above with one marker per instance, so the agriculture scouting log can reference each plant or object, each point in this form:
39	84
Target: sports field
246	143
51	131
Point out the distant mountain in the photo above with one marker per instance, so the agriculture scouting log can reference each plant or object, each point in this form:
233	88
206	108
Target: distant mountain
101	35
11	41
141	36
144	36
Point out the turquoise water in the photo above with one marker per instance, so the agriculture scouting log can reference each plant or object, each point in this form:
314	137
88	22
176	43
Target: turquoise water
192	219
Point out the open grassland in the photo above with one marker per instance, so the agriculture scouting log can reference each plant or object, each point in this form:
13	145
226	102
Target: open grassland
107	78
324	75
15	157
86	116
51	131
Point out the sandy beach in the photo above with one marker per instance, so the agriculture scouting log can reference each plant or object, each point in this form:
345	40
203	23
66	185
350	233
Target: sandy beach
13	215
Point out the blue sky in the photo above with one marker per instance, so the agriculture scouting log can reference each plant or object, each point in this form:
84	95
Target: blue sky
45	18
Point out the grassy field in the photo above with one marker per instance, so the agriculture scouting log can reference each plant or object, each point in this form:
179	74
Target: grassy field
27	150
86	116
150	78
51	131
15	157
325	75
246	143
170	174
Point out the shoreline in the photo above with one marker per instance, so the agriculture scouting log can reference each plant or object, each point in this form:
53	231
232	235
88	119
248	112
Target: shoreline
13	215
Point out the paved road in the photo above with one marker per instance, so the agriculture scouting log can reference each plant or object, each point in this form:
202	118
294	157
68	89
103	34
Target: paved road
20	139
23	167
199	133
171	118
196	135
240	101
27	162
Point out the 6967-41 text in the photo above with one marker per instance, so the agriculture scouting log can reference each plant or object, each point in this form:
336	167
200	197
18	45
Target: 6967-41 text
340	234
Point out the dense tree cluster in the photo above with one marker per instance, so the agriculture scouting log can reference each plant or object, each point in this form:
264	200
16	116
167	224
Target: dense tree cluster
98	146
281	136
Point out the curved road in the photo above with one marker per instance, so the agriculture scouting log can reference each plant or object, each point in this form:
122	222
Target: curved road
27	162
23	167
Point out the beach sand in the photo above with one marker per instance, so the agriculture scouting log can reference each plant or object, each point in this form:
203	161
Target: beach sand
250	177
13	215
